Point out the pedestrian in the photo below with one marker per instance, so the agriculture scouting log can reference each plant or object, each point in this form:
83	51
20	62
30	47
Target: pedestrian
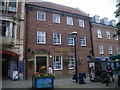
50	70
119	69
74	76
110	72
92	73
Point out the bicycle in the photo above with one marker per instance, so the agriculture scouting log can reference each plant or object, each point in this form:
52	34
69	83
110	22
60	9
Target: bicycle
108	80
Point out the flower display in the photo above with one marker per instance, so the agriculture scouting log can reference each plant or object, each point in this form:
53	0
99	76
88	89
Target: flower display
80	60
66	60
43	74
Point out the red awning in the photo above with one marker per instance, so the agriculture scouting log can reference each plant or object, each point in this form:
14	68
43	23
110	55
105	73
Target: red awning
10	53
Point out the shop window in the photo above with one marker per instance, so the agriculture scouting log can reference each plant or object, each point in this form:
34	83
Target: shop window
71	62
58	62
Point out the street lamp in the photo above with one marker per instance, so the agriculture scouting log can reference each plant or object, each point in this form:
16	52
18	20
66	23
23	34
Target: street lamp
76	69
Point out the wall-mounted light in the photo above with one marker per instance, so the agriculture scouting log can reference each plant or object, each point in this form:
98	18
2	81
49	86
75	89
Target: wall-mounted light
50	56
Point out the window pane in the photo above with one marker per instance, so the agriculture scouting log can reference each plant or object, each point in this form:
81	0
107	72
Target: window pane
57	38
12	5
81	23
71	62
69	20
57	62
83	40
56	18
41	16
70	40
41	37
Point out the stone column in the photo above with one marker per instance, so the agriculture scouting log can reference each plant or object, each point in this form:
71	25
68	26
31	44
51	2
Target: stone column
21	44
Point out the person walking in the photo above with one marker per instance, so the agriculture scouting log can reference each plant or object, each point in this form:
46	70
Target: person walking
119	69
50	70
110	72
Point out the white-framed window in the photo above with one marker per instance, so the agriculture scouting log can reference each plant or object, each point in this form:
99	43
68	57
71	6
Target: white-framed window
118	50
71	62
2	5
99	33
12	5
69	21
82	40
101	49
56	18
81	23
110	50
70	40
41	16
116	36
41	37
57	62
57	38
108	35
5	29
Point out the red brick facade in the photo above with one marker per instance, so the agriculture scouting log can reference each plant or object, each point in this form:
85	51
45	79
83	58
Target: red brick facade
49	48
104	41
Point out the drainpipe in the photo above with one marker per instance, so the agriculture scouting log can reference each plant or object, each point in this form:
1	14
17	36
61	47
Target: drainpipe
91	27
26	38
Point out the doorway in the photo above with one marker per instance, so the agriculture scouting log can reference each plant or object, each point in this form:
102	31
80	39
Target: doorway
40	61
9	64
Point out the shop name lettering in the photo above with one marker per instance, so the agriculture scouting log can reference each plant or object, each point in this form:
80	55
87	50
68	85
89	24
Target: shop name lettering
6	52
65	49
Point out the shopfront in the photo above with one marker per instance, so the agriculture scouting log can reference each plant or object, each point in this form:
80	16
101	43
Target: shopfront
9	63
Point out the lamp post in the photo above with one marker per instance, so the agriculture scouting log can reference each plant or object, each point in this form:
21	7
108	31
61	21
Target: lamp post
76	67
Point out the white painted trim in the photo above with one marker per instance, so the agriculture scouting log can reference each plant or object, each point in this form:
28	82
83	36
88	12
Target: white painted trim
40	55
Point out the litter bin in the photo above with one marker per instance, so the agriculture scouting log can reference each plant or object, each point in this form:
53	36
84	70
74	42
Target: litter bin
82	78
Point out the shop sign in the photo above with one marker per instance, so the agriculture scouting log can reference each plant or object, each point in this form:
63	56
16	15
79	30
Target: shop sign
66	49
15	75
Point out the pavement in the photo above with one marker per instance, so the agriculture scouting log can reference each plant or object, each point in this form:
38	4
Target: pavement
60	82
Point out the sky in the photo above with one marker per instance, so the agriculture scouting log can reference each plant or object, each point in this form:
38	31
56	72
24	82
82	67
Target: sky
102	8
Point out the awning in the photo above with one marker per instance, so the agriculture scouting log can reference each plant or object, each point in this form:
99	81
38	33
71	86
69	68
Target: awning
115	56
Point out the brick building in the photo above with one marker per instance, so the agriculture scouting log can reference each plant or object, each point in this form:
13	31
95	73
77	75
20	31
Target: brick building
12	29
49	41
104	44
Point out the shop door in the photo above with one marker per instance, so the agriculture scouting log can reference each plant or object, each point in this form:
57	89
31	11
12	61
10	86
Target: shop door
40	61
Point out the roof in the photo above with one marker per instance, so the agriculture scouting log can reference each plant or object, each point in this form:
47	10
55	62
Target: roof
59	7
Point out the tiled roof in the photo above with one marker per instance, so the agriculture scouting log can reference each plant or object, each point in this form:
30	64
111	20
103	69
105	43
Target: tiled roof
59	7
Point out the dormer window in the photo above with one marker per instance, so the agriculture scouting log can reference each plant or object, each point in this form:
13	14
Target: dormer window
104	21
